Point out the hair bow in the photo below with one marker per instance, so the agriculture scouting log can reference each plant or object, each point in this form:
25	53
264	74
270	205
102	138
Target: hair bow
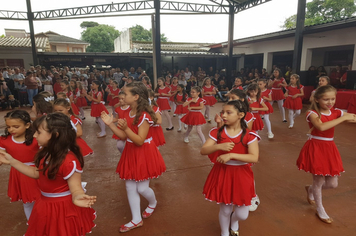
48	99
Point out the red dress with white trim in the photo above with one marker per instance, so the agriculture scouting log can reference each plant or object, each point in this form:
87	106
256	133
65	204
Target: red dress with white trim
54	212
293	103
232	182
97	107
108	98
210	99
237	87
319	154
81	101
21	187
194	117
277	91
157	131
120	112
140	162
84	148
163	101
173	89
258	122
114	93
180	109
266	93
74	107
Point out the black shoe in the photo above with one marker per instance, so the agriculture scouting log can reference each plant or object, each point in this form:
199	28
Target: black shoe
83	118
169	129
284	121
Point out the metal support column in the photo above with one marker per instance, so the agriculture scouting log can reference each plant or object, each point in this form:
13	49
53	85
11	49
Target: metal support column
298	44
32	33
157	39
230	46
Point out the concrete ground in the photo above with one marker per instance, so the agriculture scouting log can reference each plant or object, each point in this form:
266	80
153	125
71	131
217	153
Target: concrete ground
182	209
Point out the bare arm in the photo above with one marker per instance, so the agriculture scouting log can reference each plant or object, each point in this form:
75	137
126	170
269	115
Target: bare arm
250	157
29	171
315	120
79	198
139	138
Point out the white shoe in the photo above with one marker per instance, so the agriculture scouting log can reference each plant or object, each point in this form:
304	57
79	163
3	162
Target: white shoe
255	202
179	130
174	115
186	140
270	135
291	126
185	126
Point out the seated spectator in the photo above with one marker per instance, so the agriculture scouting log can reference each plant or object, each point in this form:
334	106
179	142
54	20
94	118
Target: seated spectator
3	102
222	90
335	76
343	78
12	102
22	93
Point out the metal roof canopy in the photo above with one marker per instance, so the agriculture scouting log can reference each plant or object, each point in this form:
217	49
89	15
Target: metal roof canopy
230	7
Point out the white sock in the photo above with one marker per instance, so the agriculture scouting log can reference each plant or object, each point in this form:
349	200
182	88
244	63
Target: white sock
290	117
134	201
207	112
179	121
28	209
144	189
224	219
81	112
267	123
240	213
281	109
190	127
200	133
102	126
166	114
120	145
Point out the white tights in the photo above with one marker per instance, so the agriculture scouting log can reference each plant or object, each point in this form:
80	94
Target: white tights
281	108
226	218
173	106
81	112
179	121
113	110
28	209
120	145
321	182
101	125
169	119
207	112
267	122
199	131
134	189
292	114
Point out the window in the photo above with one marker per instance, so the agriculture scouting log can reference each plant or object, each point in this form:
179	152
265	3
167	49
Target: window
342	57
77	49
53	48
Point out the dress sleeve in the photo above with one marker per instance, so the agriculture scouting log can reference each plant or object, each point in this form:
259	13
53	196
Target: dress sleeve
213	134
252	137
309	113
339	112
69	166
145	116
202	101
2	143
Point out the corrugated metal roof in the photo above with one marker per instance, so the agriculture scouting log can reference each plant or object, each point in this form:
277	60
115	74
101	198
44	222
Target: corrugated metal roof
173	47
23	42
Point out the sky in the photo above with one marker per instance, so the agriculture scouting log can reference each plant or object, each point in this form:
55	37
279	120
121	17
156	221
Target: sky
262	19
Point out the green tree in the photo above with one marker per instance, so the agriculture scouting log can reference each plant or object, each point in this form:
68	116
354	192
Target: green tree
139	33
87	24
322	11
100	37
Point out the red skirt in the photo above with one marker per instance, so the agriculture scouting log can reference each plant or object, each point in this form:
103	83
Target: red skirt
163	104
320	158
293	104
22	188
140	162
84	148
257	123
157	135
193	118
58	216
113	102
81	102
230	184
270	109
209	100
277	94
181	110
75	108
96	109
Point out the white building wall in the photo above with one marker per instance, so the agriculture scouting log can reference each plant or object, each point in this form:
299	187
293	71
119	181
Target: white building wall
18	53
123	42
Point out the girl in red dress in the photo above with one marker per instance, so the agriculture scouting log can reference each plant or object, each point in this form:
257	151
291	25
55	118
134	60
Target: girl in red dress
147	82
42	104
277	84
319	155
17	141
63	106
63	208
179	98
97	106
256	105
81	101
266	95
163	94
114	95
120	111
208	93
67	89
194	117
173	86
237	84
323	80
156	129
293	100
230	182
140	161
